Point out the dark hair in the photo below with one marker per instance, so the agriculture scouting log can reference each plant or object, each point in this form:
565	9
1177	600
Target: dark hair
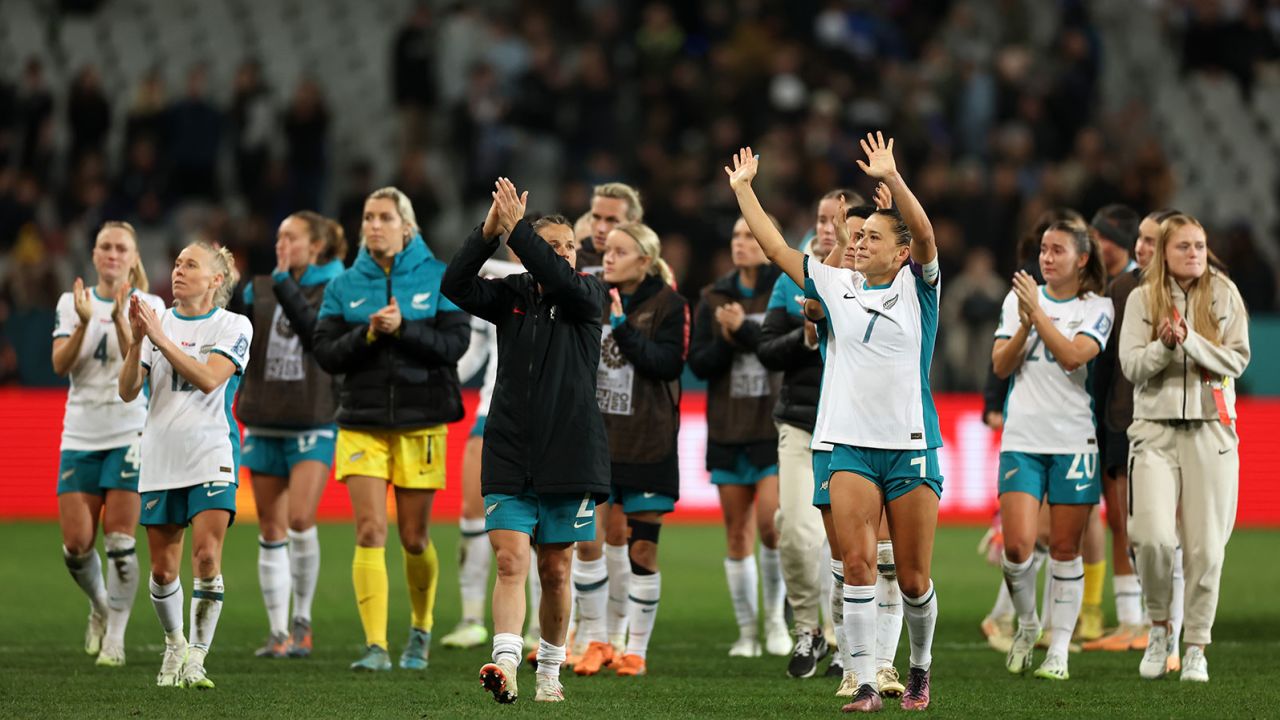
1093	276
1029	245
329	231
1162	214
850	196
1117	223
552	219
901	233
862	211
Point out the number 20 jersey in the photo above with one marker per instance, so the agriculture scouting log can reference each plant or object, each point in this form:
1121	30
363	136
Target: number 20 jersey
191	437
1049	410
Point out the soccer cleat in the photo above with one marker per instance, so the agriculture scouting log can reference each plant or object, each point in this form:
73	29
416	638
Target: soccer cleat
532	658
300	638
175	655
1155	661
865	700
916	696
1046	639
597	656
111	655
375	659
809	649
416	651
469	635
277	647
1174	663
549	689
630	666
500	679
1022	650
777	641
193	676
746	647
1054	667
1140	641
887	682
998	631
93	633
1195	667
1089	624
848	684
1119	640
836	667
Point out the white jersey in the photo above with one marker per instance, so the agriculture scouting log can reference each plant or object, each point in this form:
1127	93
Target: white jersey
1047	409
875	380
191	438
483	350
96	417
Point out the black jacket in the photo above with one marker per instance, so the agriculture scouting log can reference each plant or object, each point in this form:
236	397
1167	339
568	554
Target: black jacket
544	431
405	381
782	348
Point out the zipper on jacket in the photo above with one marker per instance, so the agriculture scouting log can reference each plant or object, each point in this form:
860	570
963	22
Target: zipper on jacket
528	385
1184	363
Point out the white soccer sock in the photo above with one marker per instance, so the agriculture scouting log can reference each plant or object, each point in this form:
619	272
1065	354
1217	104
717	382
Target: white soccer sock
1128	599
534	583
508	646
206	607
860	630
1177	598
591	578
473	568
86	570
836	596
888	606
824	555
1021	579
619	565
167	600
922	616
642	611
549	658
275	581
741	575
1068	593
122	583
304	565
1046	606
1004	603
774	591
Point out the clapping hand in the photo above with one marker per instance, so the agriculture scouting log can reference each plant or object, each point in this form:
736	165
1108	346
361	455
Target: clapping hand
83	303
387	320
509	205
730	316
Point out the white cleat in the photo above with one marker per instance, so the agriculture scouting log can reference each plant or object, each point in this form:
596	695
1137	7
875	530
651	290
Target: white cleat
549	689
887	682
1054	667
848	684
777	640
1021	652
111	655
93	633
1195	668
171	666
467	635
1155	660
745	647
193	676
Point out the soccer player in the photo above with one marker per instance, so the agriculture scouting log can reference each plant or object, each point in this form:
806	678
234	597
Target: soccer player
191	359
287	404
546	453
1048	337
98	466
742	441
385	328
1185	342
645	342
890	463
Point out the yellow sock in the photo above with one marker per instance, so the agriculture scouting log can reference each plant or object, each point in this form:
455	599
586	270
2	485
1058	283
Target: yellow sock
1094	576
422	571
369	575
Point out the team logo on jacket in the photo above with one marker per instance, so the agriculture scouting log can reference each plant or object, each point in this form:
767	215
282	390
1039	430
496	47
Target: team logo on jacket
890	302
420	300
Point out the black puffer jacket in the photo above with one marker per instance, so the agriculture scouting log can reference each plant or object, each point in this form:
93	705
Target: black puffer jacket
782	348
544	431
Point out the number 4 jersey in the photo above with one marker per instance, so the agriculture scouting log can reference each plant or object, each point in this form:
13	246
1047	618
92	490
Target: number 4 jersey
1049	410
191	437
96	418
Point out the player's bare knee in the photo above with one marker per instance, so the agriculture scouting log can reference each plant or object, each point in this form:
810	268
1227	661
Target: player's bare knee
859	568
206	558
553	570
302	521
913	583
510	564
1064	550
1018	552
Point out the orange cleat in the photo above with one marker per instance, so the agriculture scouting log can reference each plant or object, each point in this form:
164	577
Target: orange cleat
597	656
1119	640
630	666
532	658
1140	642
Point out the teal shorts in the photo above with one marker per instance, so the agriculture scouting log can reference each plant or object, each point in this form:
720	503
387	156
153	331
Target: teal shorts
97	471
743	473
822	478
633	501
277	455
179	505
895	472
1066	479
546	519
477	428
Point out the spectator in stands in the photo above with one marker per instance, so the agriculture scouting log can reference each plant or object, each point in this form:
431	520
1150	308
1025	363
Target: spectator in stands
253	126
194	137
88	114
306	128
413	75
35	109
147	114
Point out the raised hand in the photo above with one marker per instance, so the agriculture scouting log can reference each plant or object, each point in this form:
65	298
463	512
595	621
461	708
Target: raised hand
83	303
880	163
491	227
842	222
745	165
883	199
510	203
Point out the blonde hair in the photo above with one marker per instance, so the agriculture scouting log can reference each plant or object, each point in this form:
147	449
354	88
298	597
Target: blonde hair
651	247
1156	278
403	207
225	263
622	191
137	273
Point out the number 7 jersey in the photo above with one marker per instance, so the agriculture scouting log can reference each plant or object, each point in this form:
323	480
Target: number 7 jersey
191	438
1047	409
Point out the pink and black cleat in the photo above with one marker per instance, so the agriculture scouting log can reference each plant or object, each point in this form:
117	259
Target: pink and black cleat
867	699
917	695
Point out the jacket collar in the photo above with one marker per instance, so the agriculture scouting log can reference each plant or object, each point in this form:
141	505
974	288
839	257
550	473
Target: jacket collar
415	253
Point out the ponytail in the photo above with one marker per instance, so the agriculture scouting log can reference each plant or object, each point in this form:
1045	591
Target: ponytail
223	262
651	247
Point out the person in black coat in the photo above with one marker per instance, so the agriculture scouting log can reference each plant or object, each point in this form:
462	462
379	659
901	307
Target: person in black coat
546	454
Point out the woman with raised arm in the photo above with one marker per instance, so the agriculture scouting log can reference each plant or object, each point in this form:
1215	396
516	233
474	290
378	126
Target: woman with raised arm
99	460
876	410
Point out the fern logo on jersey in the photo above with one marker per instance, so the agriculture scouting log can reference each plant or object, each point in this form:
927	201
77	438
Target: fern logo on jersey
890	302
